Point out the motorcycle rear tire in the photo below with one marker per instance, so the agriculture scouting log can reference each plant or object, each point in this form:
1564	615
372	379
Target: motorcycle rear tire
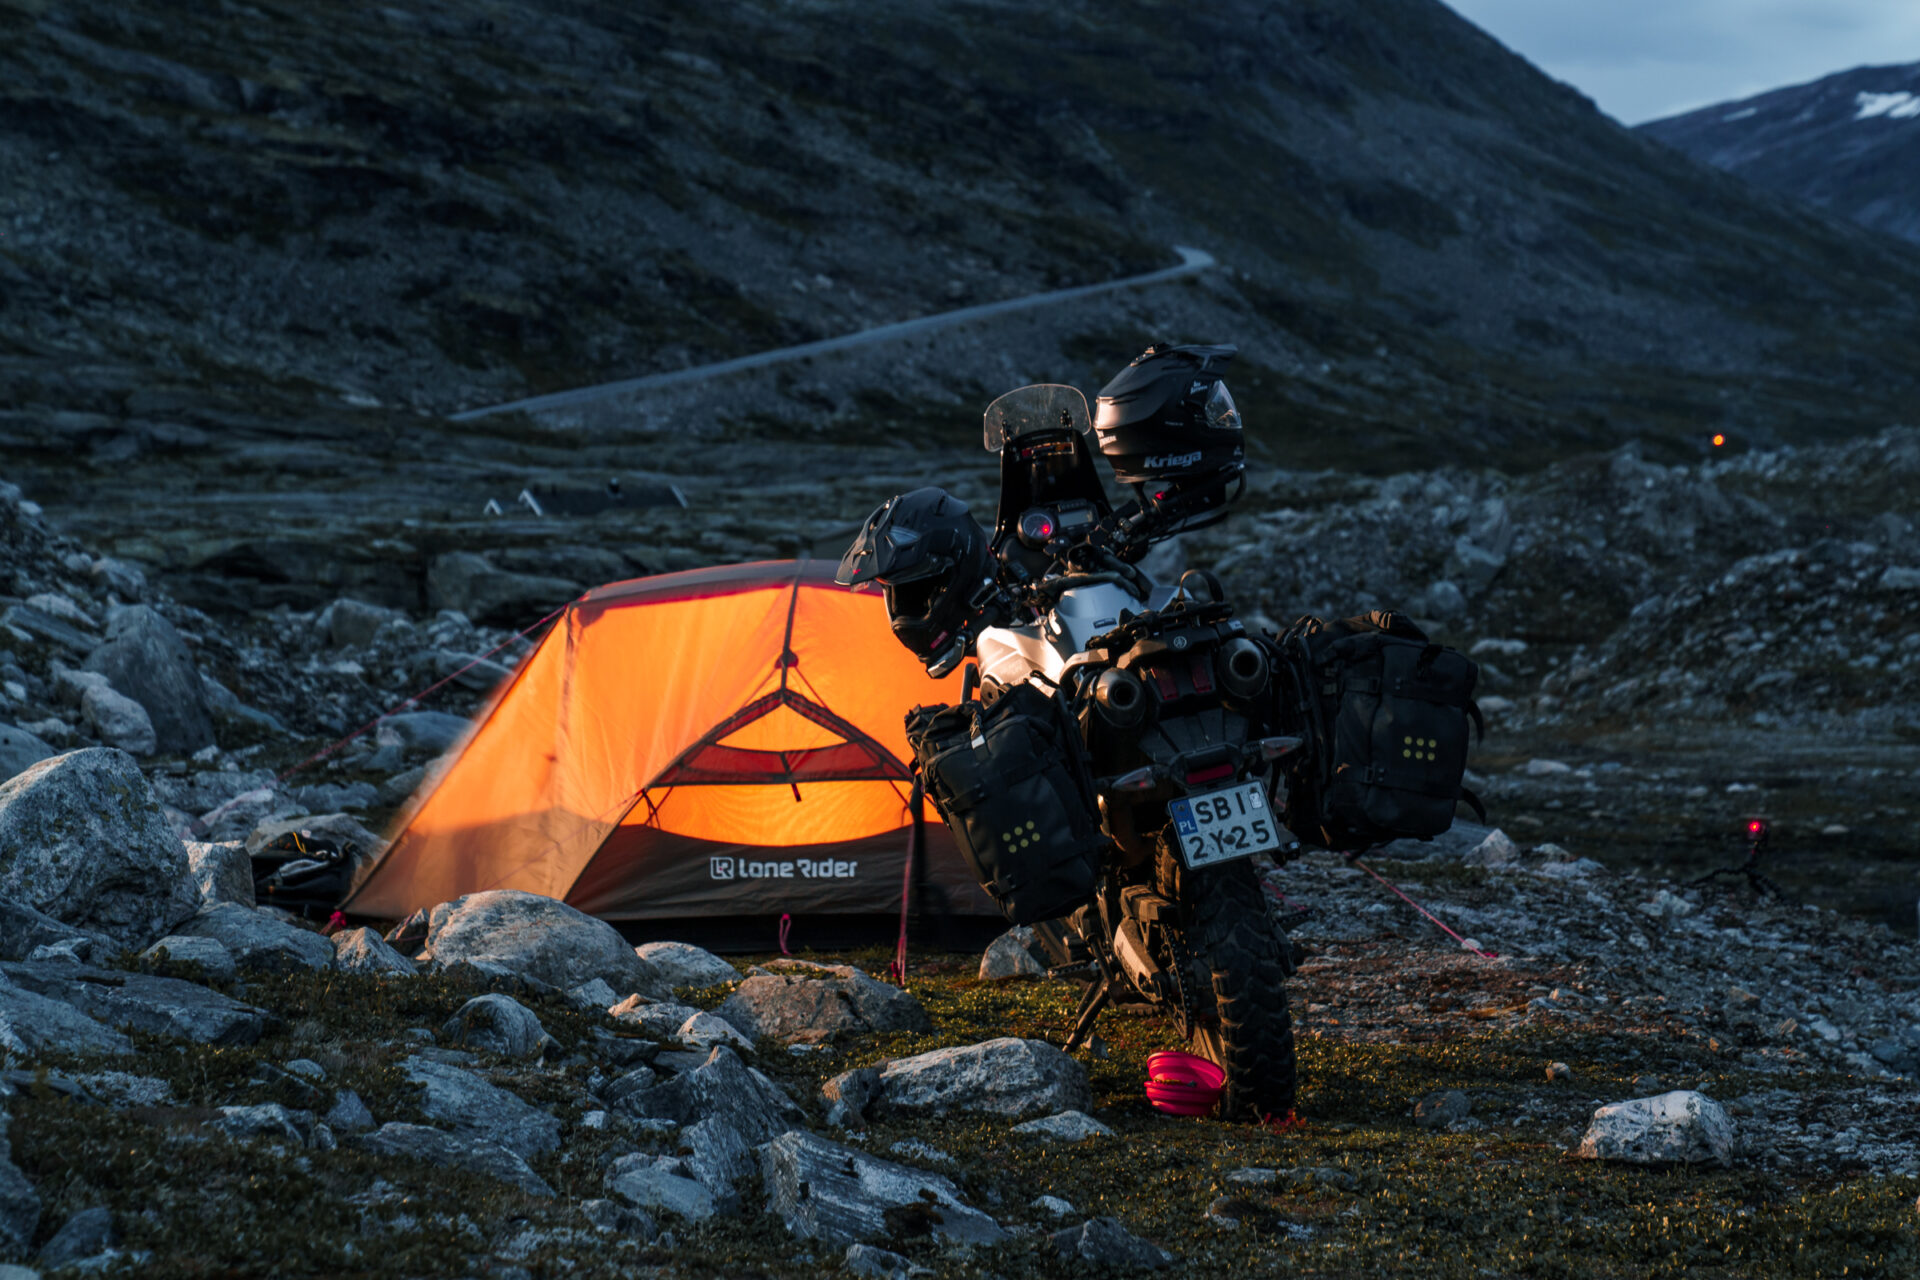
1250	1030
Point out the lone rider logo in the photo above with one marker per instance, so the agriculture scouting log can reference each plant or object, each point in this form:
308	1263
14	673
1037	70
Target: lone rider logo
722	868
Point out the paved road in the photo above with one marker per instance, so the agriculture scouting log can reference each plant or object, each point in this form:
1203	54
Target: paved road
1192	262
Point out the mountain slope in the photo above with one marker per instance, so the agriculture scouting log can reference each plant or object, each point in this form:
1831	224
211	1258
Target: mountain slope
1849	142
254	253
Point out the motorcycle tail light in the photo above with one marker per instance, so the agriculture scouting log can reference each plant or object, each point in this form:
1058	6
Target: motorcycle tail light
1209	774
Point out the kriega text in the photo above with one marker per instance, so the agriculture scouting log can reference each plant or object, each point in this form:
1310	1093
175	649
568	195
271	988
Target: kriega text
805	868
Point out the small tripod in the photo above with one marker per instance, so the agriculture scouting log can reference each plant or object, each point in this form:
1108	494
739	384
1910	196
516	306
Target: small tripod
1757	832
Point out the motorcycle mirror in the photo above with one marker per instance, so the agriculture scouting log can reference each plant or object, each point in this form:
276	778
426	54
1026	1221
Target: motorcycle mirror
1274	748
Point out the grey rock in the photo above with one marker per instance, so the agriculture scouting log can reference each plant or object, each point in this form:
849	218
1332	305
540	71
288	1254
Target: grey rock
535	937
144	1002
1104	1242
593	994
497	1024
475	1109
33	1025
43	626
468	582
870	1260
661	1018
258	940
721	1087
87	1234
1011	955
1067	1126
421	733
118	721
365	951
838	1195
1496	850
1896	1055
23	930
661	1183
83	840
786	1006
222	871
238	817
1441	1110
1052	1204
146	660
848	1096
215	961
124	1089
1444	601
1681	1127
268	1121
474	1155
1323	1175
331	797
18	750
307	1069
704	1030
611	1218
681	964
914	1149
717	1157
627	1084
353	624
349	1114
1003	1077
19	1202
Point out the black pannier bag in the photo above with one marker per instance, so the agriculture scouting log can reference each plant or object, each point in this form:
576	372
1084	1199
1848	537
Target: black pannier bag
1011	780
1386	713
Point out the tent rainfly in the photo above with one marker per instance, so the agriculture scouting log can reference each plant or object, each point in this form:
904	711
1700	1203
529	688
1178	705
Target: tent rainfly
722	743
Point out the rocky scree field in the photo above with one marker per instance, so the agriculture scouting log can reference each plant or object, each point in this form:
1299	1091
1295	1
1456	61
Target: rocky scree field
1643	1079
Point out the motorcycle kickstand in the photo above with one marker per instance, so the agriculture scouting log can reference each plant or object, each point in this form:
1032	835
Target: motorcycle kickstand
1090	1006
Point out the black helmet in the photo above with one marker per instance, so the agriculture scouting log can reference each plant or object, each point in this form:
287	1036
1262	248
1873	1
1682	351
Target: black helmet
933	559
1168	426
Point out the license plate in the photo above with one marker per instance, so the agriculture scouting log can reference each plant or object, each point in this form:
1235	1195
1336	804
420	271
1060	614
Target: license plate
1219	826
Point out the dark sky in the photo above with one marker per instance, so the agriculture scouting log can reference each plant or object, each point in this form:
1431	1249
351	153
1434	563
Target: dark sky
1644	59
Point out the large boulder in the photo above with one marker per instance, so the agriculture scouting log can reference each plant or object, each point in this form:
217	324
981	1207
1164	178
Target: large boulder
497	1024
722	1087
215	961
1011	955
1682	1127
145	659
473	1155
18	750
661	1183
1110	1246
82	839
839	1195
259	940
144	1002
468	582
32	1025
480	1111
364	951
681	964
523	935
789	1006
117	720
1004	1077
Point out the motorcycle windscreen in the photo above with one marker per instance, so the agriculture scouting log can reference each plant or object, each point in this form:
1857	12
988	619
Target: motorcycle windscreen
1045	406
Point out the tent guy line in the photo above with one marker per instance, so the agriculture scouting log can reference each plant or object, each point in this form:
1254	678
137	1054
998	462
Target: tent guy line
1192	262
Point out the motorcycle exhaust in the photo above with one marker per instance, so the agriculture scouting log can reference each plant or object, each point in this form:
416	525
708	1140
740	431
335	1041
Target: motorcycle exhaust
1120	698
1242	667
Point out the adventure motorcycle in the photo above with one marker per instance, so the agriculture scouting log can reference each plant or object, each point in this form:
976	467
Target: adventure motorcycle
1132	746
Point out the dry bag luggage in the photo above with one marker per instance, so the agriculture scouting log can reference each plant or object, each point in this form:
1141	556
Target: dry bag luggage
1010	779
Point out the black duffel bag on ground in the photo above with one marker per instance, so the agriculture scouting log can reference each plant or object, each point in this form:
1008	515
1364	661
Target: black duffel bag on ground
1386	711
1011	780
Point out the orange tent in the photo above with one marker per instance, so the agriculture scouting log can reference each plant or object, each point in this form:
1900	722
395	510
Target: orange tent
725	742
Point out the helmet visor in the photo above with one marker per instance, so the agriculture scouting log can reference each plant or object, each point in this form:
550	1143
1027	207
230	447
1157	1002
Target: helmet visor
1046	406
1221	412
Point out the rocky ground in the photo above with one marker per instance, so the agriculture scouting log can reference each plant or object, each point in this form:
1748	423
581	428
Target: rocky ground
178	1056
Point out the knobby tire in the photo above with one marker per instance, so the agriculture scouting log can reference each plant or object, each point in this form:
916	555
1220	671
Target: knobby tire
1251	1032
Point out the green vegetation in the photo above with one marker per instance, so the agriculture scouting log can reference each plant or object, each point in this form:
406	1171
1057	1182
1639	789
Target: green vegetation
1504	1199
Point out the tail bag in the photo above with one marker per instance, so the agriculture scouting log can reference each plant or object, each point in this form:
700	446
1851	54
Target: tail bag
1386	711
1011	780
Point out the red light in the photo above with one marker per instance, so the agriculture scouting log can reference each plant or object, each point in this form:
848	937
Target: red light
1718	440
1208	775
1756	829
